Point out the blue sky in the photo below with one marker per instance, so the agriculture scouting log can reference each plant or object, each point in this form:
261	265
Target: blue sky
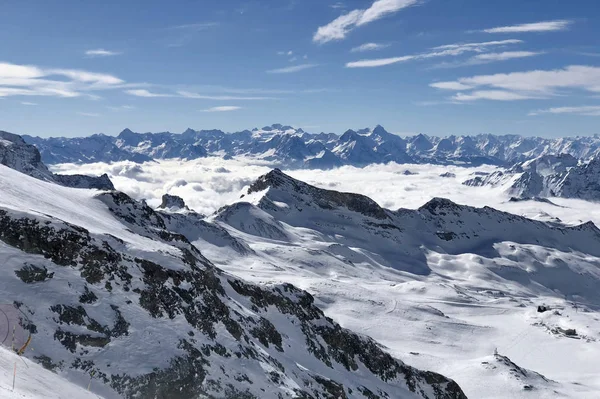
438	67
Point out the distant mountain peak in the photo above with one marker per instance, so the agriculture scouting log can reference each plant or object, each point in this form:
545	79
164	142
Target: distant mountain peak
380	130
126	131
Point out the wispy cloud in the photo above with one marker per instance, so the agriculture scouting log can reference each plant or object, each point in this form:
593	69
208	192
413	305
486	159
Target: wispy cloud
488	58
506	55
338	5
525	85
195	27
27	103
341	26
369	47
120	107
90	114
478	46
497	95
188	94
192	95
146	93
586	110
544	26
31	80
292	69
380	62
454	49
450	86
101	53
225	108
180	35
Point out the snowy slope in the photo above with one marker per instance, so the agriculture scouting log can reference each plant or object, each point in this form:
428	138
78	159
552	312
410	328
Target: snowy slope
34	382
148	315
445	285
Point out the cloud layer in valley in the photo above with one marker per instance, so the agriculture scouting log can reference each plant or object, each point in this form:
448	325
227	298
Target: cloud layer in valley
210	183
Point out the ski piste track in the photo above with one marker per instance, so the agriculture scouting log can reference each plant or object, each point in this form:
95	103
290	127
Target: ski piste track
12	333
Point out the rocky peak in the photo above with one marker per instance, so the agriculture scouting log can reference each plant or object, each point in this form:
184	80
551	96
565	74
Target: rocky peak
420	143
126	133
349	135
17	154
324	199
437	205
172	203
274	178
379	130
25	158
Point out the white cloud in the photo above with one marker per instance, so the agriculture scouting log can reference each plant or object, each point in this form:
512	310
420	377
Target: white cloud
90	114
544	26
529	84
341	26
369	47
497	95
87	77
447	50
20	71
338	5
478	46
586	110
146	93
29	80
101	53
292	69
27	103
379	62
450	86
506	55
225	108
188	94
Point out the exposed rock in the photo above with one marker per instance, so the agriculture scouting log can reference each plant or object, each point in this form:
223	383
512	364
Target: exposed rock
25	158
172	203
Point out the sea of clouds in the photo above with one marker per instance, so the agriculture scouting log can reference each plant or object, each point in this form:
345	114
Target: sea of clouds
209	183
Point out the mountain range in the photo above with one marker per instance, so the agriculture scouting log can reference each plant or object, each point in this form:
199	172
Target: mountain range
293	147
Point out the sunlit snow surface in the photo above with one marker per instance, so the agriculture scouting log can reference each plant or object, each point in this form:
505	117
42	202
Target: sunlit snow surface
450	321
32	381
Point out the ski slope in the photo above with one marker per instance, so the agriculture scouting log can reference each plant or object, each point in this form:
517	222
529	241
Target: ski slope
34	382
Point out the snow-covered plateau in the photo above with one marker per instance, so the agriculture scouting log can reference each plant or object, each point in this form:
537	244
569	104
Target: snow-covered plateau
400	267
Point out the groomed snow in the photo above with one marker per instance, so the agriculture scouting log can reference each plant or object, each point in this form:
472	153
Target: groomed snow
34	382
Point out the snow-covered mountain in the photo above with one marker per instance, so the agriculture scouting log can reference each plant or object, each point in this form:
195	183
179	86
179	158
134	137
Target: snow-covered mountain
547	176
116	293
293	147
439	283
25	158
